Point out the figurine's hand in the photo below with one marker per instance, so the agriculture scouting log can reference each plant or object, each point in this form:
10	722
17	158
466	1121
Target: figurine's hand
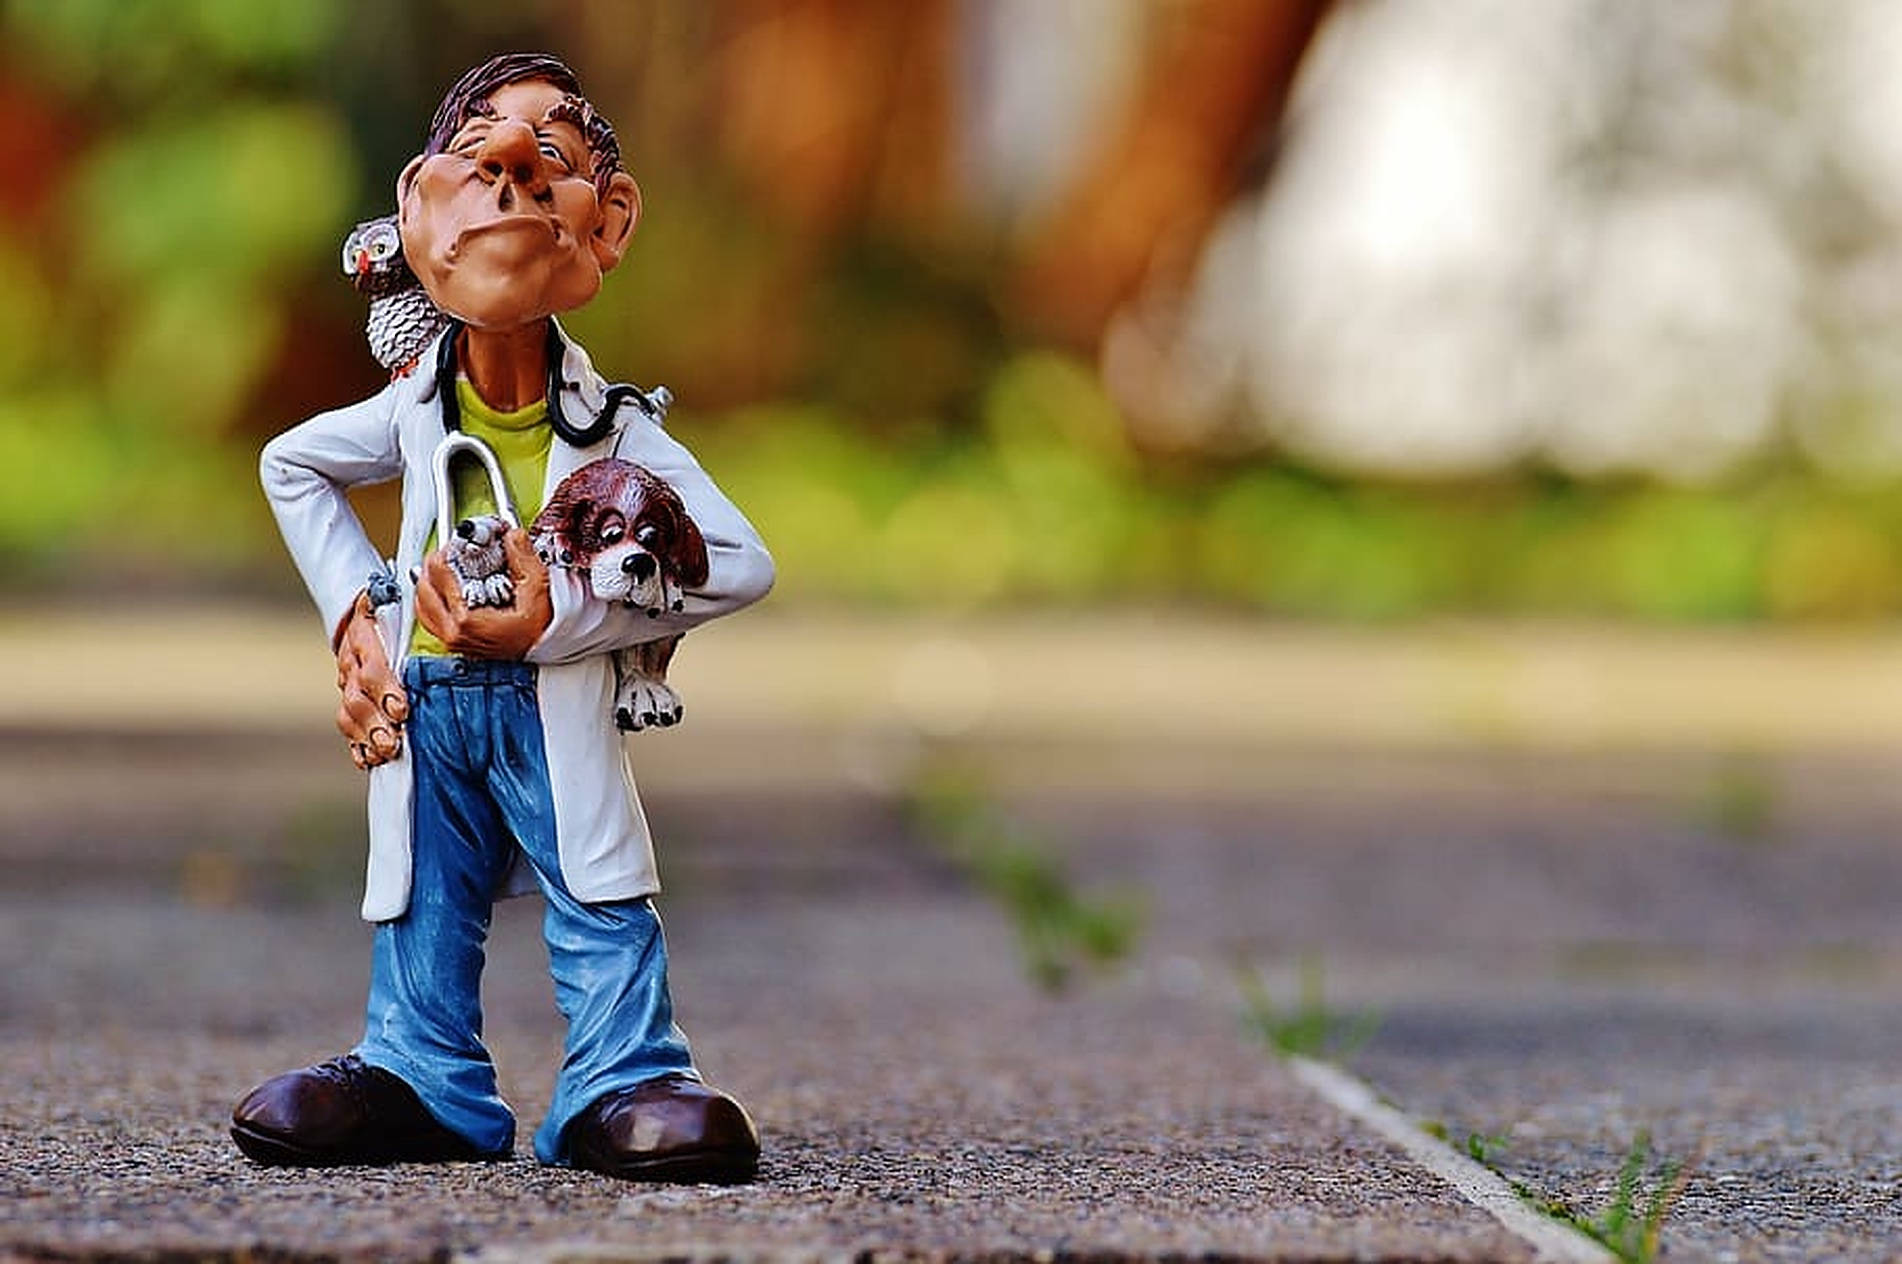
487	631
374	706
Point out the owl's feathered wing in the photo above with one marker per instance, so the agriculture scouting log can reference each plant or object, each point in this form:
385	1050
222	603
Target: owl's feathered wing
401	327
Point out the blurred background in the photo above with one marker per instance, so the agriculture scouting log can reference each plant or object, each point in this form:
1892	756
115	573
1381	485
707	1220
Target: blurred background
1362	310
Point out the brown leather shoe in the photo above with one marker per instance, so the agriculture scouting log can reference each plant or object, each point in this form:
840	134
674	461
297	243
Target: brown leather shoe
668	1129
341	1111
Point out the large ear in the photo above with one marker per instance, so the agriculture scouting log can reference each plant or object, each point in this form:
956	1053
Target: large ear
620	212
561	518
405	178
687	552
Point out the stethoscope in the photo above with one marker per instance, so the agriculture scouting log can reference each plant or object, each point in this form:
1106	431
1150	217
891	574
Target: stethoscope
578	436
383	588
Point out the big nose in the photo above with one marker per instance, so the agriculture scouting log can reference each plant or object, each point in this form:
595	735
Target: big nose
510	149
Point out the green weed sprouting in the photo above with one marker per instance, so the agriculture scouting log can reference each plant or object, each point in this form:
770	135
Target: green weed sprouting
1059	931
1630	1235
1309	1028
1484	1147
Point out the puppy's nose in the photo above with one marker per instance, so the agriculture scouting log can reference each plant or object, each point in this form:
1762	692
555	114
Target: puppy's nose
640	565
466	528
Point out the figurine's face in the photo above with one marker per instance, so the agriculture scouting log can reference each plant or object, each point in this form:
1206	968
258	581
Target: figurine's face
505	226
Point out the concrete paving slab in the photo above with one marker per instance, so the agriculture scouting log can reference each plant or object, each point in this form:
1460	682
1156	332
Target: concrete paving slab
1564	955
918	1098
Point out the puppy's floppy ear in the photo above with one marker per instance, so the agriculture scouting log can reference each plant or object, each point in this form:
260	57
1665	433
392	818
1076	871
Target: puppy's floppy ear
579	528
686	548
562	517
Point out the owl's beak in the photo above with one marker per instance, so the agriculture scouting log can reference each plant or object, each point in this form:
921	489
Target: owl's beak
363	262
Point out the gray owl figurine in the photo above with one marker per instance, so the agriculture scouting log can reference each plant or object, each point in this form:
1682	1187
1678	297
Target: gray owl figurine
403	320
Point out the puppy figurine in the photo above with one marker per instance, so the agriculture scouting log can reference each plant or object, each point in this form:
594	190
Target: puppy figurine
628	534
475	554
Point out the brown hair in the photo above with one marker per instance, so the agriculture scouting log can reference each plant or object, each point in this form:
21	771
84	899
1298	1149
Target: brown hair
470	95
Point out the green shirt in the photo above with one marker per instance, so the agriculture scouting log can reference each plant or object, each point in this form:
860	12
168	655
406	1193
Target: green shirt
520	442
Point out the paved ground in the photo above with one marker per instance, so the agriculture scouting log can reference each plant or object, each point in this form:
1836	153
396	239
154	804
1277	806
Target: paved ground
916	1095
1568	942
1567	954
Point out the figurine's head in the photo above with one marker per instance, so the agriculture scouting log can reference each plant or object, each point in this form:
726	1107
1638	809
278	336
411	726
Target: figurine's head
518	204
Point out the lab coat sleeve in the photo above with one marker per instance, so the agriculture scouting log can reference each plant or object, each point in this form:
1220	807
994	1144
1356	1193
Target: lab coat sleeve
739	569
306	471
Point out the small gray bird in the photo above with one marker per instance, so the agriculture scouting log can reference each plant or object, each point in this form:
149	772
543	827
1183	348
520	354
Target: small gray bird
403	320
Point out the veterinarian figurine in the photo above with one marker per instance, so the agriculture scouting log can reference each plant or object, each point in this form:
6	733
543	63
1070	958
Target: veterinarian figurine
486	714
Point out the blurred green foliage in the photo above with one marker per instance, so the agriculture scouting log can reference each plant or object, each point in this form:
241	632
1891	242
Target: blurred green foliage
1044	502
188	182
184	170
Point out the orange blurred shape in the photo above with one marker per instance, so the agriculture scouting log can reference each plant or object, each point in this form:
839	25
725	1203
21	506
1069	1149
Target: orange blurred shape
38	145
1213	90
835	111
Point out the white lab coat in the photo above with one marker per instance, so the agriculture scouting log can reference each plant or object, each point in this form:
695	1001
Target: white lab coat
602	835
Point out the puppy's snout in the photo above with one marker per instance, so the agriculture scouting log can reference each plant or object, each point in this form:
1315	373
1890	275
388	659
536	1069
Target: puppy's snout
640	565
466	528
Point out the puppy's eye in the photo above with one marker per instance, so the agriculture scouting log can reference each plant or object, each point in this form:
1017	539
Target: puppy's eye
647	535
612	535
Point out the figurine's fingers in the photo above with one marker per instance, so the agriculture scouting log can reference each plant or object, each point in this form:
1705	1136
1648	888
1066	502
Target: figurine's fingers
359	756
377	681
440	576
524	563
357	715
534	606
432	607
384	742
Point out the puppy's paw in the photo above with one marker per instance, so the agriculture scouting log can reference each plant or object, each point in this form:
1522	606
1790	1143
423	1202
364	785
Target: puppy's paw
644	703
501	589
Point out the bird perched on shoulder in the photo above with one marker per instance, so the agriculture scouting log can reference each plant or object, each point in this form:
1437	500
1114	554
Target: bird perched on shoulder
403	320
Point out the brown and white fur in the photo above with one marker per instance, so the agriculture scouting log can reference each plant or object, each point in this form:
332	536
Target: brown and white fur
625	530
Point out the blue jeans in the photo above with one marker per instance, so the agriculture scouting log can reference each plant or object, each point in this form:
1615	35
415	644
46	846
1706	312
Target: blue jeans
481	792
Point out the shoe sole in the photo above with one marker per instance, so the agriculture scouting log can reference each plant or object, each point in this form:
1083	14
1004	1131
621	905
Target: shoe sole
273	1151
262	1147
704	1167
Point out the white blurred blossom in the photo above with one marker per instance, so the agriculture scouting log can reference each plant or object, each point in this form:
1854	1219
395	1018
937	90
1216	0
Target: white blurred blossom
1607	236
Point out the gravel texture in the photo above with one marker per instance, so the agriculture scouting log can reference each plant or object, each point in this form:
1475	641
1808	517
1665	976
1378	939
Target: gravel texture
1565	955
916	1096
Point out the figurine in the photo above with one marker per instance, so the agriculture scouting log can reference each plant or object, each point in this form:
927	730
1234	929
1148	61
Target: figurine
494	767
